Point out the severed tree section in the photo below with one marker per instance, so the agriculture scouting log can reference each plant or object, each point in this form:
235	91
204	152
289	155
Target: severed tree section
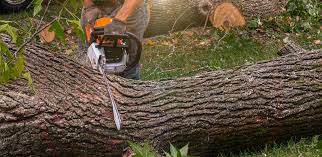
69	112
171	15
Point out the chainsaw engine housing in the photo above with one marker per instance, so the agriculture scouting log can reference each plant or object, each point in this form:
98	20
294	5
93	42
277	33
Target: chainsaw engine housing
109	53
108	60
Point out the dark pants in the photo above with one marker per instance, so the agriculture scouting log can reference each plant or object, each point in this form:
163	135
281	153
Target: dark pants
136	24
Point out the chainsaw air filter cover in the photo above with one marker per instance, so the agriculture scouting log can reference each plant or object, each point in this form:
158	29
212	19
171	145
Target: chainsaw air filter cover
109	53
106	59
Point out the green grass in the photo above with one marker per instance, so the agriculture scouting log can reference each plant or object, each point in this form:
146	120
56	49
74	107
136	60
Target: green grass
185	55
304	148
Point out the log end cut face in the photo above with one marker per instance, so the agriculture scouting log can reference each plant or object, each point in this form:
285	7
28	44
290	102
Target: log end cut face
226	15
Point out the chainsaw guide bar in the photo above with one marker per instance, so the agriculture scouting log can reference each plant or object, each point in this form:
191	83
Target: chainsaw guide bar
111	54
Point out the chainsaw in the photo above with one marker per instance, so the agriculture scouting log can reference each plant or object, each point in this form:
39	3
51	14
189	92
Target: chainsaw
109	53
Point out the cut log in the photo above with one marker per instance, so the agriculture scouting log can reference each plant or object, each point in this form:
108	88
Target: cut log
45	36
226	15
173	15
69	113
235	13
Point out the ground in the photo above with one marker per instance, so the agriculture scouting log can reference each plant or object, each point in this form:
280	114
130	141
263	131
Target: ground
197	50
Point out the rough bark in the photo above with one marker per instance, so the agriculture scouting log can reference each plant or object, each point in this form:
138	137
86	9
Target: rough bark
290	47
69	113
172	15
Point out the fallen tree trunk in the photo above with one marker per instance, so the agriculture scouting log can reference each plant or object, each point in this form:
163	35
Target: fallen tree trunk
172	15
69	113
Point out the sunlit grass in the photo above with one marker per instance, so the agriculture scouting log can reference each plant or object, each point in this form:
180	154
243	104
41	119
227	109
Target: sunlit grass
184	56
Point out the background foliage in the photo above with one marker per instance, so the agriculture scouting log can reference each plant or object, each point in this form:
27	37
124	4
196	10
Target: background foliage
11	60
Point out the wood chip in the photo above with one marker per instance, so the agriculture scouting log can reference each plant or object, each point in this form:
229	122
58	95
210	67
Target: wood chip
45	36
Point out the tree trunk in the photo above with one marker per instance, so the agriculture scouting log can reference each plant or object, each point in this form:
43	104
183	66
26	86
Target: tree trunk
69	112
172	15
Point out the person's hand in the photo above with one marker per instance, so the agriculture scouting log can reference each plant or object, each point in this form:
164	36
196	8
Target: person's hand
114	27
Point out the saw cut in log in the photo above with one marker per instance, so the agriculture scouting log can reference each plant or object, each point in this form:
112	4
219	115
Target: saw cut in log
226	15
69	113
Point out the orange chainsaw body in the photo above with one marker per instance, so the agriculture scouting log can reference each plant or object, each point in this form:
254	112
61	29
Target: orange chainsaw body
109	51
98	23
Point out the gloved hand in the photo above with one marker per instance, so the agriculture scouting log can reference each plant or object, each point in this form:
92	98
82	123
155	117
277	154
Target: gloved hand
115	27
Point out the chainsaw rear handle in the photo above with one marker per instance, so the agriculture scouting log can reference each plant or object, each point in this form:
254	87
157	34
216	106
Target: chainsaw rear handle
138	51
128	35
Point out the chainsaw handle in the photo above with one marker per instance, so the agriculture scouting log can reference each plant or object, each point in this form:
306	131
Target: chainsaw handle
139	49
129	35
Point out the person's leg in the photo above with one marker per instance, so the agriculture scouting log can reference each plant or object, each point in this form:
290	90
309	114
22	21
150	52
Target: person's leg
136	24
133	73
81	54
88	15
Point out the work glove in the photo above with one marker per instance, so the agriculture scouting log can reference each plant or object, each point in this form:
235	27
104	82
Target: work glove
114	27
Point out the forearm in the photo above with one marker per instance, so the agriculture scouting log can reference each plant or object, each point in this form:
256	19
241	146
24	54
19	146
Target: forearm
88	3
127	9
